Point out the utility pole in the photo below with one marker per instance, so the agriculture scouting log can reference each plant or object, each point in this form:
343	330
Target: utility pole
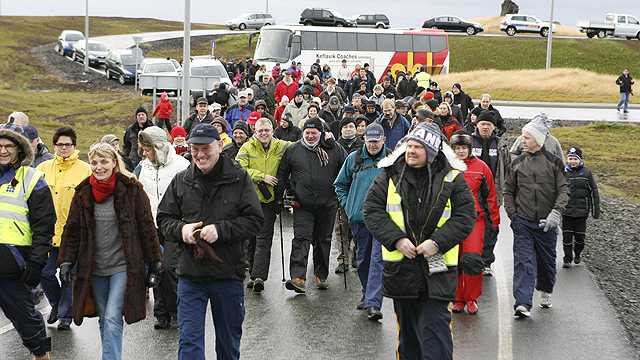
86	36
186	67
550	38
267	8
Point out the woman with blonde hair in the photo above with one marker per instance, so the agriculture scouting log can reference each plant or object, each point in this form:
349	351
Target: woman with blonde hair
110	235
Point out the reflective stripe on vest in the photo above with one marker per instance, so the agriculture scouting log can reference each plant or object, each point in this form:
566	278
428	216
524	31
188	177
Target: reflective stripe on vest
423	79
15	228
394	209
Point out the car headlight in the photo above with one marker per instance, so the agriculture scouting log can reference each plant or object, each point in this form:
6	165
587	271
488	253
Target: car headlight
127	72
91	56
65	44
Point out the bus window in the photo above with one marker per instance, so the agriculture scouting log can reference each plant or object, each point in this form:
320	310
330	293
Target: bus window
421	43
327	41
309	40
438	43
296	47
404	43
347	41
366	42
385	42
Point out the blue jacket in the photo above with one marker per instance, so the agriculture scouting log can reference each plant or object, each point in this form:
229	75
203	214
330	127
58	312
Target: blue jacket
236	113
351	192
400	130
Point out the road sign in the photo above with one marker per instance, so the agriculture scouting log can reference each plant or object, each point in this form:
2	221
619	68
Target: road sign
213	44
137	52
137	40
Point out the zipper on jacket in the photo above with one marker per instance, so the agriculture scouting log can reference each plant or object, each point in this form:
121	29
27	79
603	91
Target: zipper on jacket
18	227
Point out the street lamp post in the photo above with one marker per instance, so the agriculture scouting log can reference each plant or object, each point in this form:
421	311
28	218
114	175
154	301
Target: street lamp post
550	38
86	36
186	67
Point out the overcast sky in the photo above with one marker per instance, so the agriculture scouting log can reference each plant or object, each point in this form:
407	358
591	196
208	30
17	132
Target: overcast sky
412	14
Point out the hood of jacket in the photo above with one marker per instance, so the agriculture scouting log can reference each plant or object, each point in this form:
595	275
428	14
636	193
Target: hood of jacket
25	152
401	148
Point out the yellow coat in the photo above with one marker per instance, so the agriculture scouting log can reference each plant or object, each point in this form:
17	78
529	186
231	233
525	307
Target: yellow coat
225	139
62	176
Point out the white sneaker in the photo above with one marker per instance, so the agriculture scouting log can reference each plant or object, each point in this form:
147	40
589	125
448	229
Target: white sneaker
545	299
522	312
487	272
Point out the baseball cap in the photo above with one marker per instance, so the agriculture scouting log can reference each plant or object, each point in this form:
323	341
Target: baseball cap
30	132
203	100
109	138
373	132
242	94
249	91
203	134
254	117
216	106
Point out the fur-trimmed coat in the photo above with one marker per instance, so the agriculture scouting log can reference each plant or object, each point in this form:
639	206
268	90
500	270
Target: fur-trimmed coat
139	242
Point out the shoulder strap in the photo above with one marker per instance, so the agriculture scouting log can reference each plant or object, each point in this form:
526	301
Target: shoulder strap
358	163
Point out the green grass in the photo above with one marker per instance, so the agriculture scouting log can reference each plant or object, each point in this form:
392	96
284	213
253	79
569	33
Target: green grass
229	46
550	97
470	53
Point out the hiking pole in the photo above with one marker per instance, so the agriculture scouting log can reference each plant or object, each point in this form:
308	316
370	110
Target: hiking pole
282	243
342	246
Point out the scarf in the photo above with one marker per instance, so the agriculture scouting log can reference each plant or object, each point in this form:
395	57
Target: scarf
316	148
569	168
102	190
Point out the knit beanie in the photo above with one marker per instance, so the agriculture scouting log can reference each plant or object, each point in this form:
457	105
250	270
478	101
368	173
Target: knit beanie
538	128
178	130
242	126
424	113
575	151
141	109
346	120
487	115
432	104
155	138
419	90
430	136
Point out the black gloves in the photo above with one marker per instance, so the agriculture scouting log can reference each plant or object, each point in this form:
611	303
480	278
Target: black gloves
153	276
65	274
32	275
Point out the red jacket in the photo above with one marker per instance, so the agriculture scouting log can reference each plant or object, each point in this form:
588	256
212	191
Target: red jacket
163	109
284	89
278	114
480	181
449	126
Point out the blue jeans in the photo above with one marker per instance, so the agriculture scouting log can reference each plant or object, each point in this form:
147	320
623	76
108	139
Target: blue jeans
108	294
56	294
227	310
624	100
370	263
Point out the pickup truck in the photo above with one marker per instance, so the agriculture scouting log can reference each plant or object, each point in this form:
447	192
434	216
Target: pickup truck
616	25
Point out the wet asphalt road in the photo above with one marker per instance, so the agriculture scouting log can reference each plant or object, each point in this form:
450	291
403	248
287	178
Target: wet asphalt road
280	324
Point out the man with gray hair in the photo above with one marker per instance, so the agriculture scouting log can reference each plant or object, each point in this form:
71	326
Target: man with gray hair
485	105
18	118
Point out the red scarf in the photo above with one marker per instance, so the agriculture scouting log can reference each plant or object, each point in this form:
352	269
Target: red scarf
102	190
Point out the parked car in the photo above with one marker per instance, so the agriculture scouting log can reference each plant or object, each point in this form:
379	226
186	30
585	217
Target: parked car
174	62
204	73
380	21
97	52
515	23
616	25
66	41
167	72
251	21
324	17
121	65
453	23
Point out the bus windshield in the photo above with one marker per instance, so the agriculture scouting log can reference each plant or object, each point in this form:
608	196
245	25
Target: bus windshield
272	46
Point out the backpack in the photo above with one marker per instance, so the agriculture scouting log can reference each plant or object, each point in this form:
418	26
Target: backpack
359	163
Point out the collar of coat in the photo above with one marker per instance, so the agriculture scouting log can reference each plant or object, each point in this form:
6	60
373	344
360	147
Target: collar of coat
231	172
401	148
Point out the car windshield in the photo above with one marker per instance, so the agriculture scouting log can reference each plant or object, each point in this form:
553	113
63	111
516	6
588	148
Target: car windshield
74	37
97	47
335	13
208	71
272	46
159	68
130	60
243	16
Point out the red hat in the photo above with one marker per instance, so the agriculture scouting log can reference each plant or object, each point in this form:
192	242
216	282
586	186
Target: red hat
253	117
178	130
427	96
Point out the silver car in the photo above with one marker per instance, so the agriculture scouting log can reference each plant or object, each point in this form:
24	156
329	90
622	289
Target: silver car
251	20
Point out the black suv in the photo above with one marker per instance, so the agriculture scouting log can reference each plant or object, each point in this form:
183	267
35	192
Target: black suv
324	17
380	21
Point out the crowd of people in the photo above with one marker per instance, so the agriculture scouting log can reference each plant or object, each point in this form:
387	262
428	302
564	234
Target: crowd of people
407	179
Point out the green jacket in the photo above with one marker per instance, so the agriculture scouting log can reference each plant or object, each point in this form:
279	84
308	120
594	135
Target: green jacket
258	163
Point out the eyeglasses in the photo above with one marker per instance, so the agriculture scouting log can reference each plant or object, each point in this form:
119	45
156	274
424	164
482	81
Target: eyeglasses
8	146
64	145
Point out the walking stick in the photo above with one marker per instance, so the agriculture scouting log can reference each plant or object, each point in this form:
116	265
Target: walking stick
342	246
281	243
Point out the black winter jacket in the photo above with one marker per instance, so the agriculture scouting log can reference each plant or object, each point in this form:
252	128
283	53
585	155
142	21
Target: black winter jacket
130	141
407	88
583	193
234	208
500	126
464	101
625	83
352	146
194	120
409	277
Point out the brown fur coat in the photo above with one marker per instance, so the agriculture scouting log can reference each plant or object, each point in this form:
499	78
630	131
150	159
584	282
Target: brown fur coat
139	242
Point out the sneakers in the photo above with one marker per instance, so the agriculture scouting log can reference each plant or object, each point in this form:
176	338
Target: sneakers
296	285
545	300
46	356
617	108
626	111
566	264
53	316
374	313
174	324
458	306
360	305
322	284
472	307
577	259
487	272
64	325
522	312
342	268
250	284
258	285
161	323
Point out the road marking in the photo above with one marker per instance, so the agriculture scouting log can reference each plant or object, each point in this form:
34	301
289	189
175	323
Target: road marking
7	328
505	312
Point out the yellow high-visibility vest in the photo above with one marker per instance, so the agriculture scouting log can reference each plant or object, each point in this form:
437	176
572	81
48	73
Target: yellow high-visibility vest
15	228
394	209
423	79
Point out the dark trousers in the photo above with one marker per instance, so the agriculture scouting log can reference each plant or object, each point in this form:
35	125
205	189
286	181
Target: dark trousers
17	301
56	294
311	226
370	263
166	294
424	329
534	260
227	310
162	121
573	234
264	240
488	257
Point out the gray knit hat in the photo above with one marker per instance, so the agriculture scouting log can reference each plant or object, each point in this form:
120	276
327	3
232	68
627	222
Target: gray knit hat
429	136
155	138
539	128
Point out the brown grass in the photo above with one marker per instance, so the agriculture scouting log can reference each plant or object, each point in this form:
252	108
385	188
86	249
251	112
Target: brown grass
492	26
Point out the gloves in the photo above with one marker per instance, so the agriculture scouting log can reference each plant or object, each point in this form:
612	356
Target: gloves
32	275
153	277
494	231
65	274
552	221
